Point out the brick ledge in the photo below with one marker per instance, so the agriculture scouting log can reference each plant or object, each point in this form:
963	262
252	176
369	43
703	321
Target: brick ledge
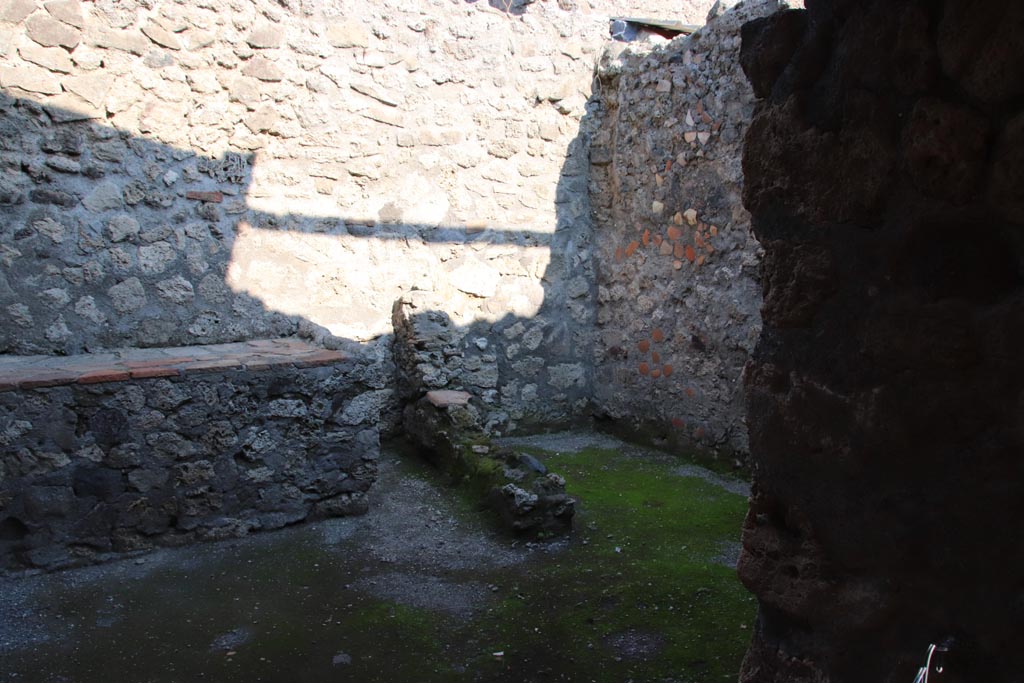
30	372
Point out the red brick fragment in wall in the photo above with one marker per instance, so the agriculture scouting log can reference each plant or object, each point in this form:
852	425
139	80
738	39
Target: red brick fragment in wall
646	239
144	373
656	357
691	255
674	233
644	369
643	345
678	423
99	376
213	197
619	255
667	371
678	252
657	335
632	248
656	373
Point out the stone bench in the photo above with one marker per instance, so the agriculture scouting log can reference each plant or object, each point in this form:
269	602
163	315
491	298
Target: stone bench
122	451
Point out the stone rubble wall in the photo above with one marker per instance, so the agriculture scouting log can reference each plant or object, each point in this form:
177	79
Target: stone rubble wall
518	380
95	469
178	173
677	267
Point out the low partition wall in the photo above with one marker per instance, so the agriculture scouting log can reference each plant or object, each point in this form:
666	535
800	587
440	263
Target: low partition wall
122	451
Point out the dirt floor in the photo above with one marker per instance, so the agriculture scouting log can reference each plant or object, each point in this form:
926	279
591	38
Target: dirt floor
422	588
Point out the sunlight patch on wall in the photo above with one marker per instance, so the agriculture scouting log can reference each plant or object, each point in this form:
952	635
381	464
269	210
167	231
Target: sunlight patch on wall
348	284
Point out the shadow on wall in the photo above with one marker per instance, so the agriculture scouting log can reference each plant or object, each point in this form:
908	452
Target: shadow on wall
514	7
112	240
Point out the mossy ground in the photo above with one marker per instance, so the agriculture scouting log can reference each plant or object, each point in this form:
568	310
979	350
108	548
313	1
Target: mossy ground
643	593
639	593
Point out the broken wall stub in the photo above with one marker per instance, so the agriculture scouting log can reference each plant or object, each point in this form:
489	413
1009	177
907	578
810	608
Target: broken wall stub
530	374
678	296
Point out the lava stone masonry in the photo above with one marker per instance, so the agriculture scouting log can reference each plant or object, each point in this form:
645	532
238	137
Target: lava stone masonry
125	451
884	169
677	269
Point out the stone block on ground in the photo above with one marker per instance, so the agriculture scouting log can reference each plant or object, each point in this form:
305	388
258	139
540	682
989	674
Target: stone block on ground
527	498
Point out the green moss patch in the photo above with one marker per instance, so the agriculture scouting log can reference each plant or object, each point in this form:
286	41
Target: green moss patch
642	593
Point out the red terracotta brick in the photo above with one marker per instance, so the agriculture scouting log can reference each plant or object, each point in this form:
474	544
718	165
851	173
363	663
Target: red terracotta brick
152	363
656	373
643	345
319	358
674	233
632	247
109	375
667	370
45	378
148	373
678	423
644	368
657	335
211	365
691	255
656	357
214	197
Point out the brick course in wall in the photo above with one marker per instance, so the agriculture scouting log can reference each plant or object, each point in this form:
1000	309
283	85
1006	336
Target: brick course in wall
678	297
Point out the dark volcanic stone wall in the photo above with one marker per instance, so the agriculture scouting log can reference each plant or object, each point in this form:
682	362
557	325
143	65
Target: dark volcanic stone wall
884	170
91	470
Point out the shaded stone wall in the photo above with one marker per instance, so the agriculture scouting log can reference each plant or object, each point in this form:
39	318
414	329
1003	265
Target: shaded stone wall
193	171
519	380
884	169
678	296
219	441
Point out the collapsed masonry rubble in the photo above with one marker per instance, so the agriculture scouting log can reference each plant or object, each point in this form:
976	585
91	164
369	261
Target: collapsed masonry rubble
528	499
